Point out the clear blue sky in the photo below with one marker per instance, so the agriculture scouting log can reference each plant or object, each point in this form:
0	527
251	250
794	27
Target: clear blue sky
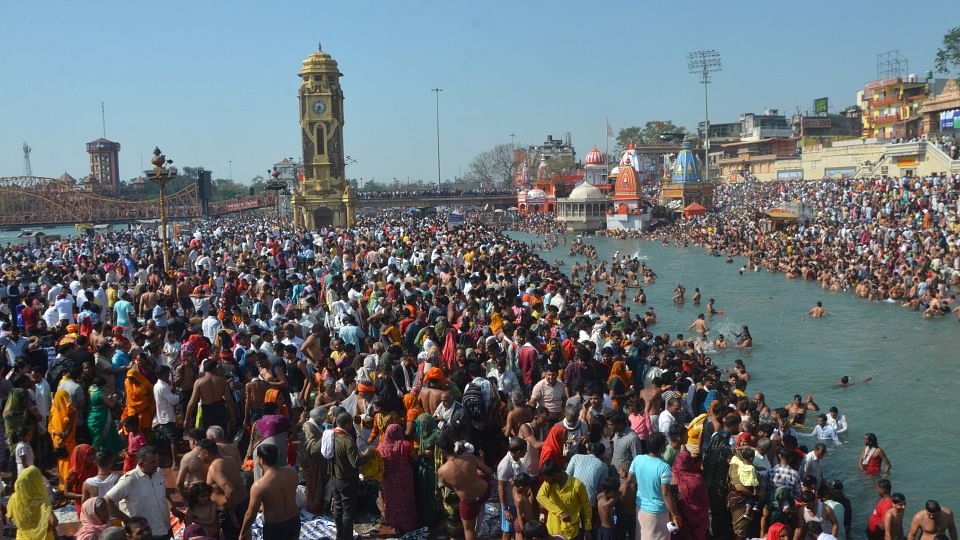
216	81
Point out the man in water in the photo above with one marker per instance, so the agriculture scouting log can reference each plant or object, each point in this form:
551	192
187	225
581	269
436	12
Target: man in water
932	521
893	519
468	477
845	381
818	311
276	490
700	325
678	293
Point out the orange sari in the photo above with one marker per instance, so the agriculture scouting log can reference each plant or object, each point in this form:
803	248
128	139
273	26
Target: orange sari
63	431
140	402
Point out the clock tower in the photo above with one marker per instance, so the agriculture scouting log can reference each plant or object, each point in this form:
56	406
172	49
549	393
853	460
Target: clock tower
324	198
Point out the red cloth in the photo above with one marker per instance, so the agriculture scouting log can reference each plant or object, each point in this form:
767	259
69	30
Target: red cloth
553	445
399	507
449	354
694	501
82	466
773	532
875	523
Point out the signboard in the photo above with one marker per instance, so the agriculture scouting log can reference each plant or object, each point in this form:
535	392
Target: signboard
881	83
794	174
840	172
908	161
820	105
815	123
455	219
950	119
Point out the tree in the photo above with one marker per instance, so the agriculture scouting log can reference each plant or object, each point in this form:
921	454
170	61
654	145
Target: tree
650	133
948	57
492	167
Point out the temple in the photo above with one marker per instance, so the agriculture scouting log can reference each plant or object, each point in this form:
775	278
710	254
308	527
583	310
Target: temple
629	210
683	186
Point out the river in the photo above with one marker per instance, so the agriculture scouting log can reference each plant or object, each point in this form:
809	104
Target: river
907	405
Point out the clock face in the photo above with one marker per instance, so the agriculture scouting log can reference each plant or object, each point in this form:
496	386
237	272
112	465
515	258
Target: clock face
319	107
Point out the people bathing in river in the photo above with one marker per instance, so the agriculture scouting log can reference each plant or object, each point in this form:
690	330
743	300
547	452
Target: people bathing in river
818	311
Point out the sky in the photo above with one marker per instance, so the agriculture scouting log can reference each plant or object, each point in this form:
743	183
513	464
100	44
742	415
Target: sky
214	83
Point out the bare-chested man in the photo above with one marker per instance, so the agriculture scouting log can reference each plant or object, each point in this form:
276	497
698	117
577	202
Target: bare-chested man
818	311
148	300
518	416
469	477
931	521
276	491
214	397
192	468
430	397
700	325
893	519
223	475
227	449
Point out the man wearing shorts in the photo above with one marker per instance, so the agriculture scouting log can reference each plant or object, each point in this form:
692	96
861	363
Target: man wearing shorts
469	477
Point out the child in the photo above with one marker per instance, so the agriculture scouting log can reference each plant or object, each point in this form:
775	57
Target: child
201	510
135	441
23	450
524	501
607	500
640	421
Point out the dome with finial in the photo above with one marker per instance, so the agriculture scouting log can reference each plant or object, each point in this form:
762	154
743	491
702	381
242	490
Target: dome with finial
685	166
594	157
585	192
319	62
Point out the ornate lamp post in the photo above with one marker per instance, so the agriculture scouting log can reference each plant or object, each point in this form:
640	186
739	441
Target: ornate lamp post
276	185
161	175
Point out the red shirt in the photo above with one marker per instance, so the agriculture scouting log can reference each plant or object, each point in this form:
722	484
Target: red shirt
875	523
527	360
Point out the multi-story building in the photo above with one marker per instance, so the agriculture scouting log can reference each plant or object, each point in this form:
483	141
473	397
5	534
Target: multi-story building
559	153
747	160
769	124
892	107
104	165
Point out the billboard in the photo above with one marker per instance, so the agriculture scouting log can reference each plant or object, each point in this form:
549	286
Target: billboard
950	119
820	106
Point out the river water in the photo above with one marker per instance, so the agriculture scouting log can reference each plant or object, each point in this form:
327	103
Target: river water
913	362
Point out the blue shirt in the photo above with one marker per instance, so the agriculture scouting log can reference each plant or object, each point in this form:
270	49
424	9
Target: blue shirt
651	473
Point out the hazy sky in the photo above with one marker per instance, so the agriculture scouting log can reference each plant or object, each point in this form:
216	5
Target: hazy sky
216	81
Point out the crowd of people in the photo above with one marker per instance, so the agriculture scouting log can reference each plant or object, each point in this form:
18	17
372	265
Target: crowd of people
412	370
887	239
434	193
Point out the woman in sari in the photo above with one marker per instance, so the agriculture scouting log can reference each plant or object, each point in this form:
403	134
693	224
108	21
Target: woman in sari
619	382
271	428
425	476
553	445
399	509
414	409
62	427
139	393
82	467
103	430
694	502
19	409
30	507
94	518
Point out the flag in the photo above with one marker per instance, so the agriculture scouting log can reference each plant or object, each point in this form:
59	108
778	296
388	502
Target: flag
609	129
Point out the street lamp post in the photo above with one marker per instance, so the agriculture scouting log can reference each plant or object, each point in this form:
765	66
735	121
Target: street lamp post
161	175
437	92
703	63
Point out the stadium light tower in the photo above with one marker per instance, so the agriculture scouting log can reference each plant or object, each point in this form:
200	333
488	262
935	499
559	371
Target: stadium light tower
703	63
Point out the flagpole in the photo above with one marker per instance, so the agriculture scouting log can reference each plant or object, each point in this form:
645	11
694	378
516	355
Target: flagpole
606	157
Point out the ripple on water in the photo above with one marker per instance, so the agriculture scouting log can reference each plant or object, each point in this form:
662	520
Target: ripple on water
910	404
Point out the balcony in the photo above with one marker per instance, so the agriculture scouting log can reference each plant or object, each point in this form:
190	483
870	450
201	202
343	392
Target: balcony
904	149
888	119
882	101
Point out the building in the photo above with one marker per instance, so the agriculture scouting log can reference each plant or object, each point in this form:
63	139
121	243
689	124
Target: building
595	169
104	166
754	160
830	126
892	107
940	114
324	198
769	124
585	209
542	198
685	185
722	132
560	153
629	211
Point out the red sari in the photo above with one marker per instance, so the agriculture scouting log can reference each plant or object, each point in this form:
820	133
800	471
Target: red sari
553	446
399	507
694	502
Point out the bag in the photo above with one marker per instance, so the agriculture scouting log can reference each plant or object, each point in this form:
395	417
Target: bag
473	403
326	443
373	468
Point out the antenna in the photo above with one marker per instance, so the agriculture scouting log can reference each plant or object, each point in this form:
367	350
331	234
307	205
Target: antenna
27	169
103	120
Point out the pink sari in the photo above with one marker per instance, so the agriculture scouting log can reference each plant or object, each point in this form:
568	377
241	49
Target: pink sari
399	507
694	502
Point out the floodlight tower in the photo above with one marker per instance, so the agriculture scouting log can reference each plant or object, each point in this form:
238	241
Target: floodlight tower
703	63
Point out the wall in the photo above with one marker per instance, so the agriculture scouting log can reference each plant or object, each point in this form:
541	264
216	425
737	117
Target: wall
817	162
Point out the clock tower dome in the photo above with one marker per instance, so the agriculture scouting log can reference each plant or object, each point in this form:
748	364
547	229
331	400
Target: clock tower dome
324	198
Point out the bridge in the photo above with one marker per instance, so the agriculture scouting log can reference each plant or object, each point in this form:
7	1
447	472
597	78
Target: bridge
27	201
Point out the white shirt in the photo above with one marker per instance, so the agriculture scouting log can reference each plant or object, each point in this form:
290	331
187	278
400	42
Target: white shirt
167	401
51	316
812	466
210	326
826	432
65	308
839	424
42	398
140	495
664	422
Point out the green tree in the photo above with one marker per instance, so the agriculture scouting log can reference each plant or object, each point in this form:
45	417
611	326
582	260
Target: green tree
629	135
948	57
653	130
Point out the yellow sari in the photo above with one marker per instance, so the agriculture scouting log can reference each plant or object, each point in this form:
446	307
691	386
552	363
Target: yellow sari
63	431
140	403
30	507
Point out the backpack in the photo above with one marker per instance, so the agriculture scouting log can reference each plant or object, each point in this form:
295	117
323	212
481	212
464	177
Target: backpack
474	405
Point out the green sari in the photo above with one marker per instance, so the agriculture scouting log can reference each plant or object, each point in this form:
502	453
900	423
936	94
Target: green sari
425	472
15	414
103	430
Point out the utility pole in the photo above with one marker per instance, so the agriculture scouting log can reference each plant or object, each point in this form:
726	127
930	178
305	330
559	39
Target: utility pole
703	63
437	92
